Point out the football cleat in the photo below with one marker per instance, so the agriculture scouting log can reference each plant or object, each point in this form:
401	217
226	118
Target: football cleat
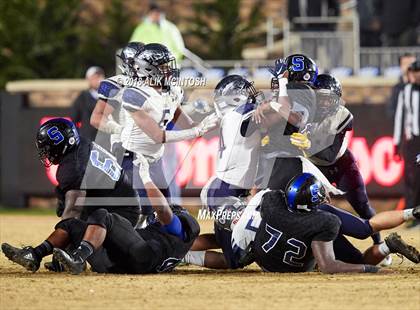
25	257
397	245
73	264
54	266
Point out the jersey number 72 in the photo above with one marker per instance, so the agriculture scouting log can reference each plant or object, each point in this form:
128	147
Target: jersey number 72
291	257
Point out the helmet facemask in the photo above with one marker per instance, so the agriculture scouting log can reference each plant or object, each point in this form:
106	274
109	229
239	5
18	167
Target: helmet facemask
327	103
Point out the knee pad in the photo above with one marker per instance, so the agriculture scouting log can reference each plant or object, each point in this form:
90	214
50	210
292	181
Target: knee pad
100	217
66	224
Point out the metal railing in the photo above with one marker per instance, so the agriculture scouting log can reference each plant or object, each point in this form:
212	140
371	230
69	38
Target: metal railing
332	48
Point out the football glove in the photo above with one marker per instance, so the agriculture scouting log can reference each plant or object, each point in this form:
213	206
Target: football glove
300	140
280	67
208	123
143	165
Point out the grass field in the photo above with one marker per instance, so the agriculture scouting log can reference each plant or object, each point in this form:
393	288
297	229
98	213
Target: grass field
196	288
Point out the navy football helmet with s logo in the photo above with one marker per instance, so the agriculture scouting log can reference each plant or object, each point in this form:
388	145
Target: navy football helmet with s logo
301	68
56	138
304	193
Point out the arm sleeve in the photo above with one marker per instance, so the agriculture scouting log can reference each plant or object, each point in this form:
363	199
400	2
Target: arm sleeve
330	228
175	227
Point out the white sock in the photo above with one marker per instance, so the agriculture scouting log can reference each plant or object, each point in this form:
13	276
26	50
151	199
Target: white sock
408	214
383	249
195	258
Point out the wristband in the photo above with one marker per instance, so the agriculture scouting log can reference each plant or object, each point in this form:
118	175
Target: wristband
370	269
282	87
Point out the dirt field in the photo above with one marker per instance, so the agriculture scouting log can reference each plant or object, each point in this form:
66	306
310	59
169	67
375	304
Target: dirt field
195	288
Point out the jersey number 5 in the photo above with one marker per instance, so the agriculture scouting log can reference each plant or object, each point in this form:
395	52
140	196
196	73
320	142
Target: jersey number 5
290	257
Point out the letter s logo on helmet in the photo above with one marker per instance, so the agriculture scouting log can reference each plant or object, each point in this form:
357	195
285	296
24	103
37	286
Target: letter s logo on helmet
55	135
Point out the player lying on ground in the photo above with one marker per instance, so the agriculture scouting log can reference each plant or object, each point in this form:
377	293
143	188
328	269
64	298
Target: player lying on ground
235	101
111	245
85	171
290	232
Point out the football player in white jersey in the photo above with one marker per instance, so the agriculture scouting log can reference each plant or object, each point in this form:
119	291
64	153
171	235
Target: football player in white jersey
153	101
108	116
240	139
235	101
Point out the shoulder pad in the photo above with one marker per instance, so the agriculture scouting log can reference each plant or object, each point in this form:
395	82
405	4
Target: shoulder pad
345	118
134	99
108	89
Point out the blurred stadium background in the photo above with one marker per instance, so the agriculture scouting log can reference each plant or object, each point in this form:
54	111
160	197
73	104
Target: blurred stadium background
46	46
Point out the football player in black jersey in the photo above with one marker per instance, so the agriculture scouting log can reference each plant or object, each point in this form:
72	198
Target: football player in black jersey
86	172
110	244
292	107
331	123
291	231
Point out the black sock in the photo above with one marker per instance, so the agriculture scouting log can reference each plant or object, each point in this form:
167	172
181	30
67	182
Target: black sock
84	250
44	249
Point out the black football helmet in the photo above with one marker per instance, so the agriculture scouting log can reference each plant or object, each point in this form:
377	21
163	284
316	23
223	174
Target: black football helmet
233	91
127	56
155	62
56	138
301	69
304	193
328	94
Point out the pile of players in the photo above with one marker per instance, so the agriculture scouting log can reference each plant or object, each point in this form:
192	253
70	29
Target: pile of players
276	161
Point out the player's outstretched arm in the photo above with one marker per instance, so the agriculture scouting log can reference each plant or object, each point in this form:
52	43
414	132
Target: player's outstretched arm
158	135
159	202
325	258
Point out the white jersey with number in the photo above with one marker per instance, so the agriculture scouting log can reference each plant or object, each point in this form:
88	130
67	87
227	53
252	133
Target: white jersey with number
239	148
159	106
245	229
110	90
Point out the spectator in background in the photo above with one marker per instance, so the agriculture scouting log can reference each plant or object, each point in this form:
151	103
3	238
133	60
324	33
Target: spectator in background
399	20
155	28
407	134
85	103
312	8
404	61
